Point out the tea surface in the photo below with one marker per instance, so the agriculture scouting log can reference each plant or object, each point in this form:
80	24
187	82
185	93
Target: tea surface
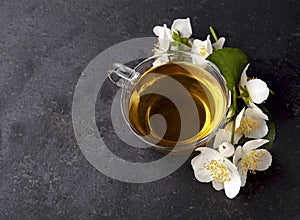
176	104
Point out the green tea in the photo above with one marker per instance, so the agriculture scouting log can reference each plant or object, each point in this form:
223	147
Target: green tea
192	82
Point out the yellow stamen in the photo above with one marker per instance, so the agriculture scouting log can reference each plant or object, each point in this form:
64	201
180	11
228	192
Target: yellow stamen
218	171
247	125
250	161
202	51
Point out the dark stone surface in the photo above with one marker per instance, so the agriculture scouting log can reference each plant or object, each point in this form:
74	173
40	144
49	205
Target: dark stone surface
44	46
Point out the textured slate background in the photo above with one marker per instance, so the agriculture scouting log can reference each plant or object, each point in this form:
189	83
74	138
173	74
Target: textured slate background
44	46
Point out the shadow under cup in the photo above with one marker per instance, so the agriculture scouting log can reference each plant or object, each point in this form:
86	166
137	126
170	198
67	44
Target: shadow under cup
173	104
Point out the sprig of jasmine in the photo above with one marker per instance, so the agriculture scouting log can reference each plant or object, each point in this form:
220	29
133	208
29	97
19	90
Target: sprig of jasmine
242	145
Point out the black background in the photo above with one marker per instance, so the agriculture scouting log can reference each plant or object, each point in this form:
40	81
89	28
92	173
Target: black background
44	46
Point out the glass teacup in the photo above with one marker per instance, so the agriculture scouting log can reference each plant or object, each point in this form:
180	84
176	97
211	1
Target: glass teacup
171	102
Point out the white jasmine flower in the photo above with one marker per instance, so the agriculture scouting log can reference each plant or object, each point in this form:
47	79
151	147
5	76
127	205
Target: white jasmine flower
203	48
211	166
257	89
182	26
219	44
164	35
248	158
251	123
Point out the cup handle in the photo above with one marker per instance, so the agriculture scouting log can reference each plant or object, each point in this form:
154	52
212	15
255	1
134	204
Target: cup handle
122	73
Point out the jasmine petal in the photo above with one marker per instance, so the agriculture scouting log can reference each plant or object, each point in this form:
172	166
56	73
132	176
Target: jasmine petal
266	160
231	189
239	118
198	60
256	112
218	186
237	155
254	144
183	26
219	44
244	77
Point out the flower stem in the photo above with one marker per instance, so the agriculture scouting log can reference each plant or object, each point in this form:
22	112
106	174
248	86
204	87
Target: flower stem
271	91
212	31
235	108
232	131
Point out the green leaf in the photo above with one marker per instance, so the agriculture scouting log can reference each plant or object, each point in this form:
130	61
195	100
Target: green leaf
231	62
271	136
243	140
